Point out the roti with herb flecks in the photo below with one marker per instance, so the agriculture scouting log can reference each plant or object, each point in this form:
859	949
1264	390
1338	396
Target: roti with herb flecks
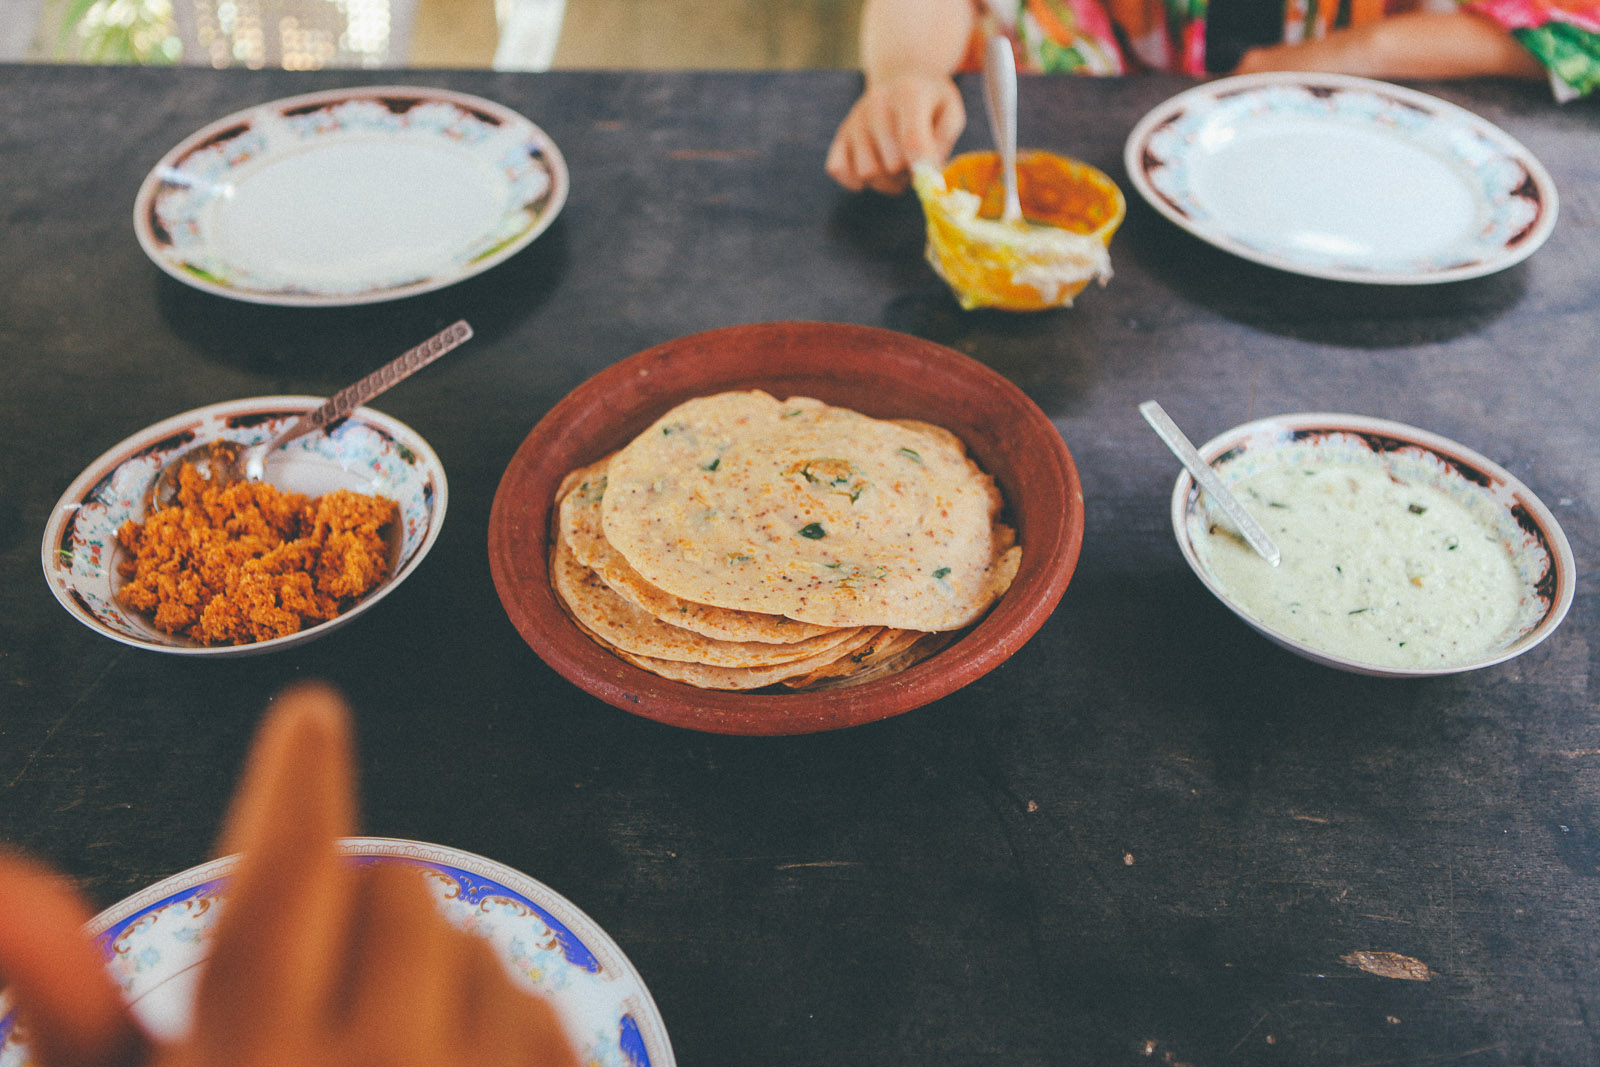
631	629
809	511
580	527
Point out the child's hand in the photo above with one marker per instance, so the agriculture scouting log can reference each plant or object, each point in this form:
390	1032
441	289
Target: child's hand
314	960
902	121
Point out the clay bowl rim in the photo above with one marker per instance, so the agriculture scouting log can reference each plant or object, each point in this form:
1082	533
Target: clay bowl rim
879	372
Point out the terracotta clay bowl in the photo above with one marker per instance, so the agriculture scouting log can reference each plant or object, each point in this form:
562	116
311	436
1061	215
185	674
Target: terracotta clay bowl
874	371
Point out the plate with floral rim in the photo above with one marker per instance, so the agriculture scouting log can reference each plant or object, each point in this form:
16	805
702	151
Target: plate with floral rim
155	942
350	196
367	452
1342	178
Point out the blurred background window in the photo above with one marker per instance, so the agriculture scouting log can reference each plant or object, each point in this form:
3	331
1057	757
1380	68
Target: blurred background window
498	34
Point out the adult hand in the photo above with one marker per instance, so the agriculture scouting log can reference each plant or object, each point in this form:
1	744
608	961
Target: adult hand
314	960
1417	44
896	123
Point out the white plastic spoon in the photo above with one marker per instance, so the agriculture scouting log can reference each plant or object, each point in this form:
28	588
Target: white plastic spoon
1000	92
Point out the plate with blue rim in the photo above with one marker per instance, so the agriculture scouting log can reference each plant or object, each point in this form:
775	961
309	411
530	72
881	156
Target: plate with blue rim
1342	178
154	942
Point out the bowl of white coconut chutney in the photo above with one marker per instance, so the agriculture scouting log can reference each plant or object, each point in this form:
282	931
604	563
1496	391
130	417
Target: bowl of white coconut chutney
1404	554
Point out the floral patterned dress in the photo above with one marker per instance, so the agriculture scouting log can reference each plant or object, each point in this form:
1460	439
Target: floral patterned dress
1120	36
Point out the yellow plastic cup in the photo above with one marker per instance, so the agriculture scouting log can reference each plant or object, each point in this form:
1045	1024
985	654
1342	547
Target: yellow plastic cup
1072	210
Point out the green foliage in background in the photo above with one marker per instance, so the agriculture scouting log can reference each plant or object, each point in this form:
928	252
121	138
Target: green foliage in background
118	31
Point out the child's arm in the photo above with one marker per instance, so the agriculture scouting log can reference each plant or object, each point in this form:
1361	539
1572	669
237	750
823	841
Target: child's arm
1422	45
910	109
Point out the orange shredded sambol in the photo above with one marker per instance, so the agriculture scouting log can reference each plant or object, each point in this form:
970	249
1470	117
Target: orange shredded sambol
245	562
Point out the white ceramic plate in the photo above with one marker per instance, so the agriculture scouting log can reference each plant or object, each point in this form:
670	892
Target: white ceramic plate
155	941
350	196
1342	178
368	452
1504	509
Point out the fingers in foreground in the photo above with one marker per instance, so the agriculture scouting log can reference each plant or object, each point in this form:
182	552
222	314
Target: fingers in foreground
301	765
289	901
422	991
508	1024
398	1000
72	1011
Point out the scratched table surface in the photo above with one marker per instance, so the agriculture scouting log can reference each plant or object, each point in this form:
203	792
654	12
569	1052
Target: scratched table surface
1148	837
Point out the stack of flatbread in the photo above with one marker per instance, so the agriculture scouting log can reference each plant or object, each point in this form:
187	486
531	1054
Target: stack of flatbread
744	541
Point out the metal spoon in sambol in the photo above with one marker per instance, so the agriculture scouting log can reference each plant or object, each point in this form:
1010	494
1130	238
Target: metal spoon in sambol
224	462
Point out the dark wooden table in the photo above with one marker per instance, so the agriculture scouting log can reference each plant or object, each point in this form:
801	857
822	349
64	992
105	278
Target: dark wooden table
1149	837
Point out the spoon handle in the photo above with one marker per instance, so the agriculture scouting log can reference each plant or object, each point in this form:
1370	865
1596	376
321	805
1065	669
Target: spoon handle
351	397
1202	472
1000	93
